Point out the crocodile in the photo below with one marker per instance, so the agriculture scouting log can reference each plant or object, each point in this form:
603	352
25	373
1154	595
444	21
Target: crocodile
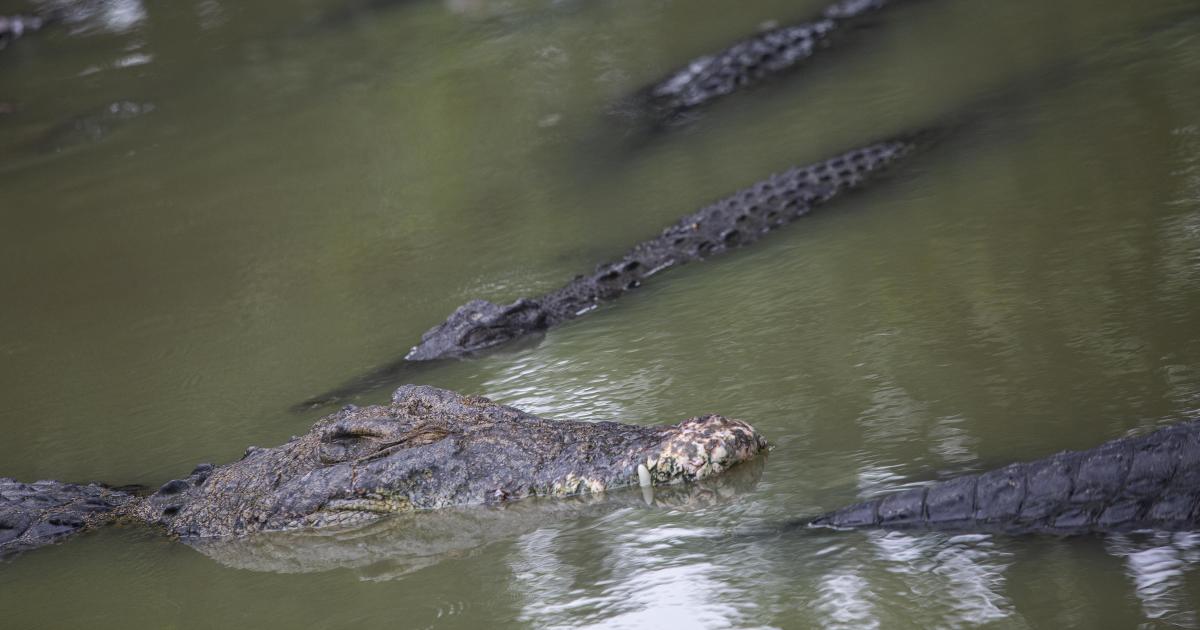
428	449
397	546
1147	482
768	53
736	221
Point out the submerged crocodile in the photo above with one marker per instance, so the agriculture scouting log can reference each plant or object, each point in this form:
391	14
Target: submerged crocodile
738	220
1149	482
428	449
92	127
768	53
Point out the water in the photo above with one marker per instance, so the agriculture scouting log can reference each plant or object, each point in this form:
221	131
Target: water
302	200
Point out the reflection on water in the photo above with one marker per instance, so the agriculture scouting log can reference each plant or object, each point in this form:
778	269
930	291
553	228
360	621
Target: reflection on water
637	579
946	581
86	17
844	600
963	574
1157	565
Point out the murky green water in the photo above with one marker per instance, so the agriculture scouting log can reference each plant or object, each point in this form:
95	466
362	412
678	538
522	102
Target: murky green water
301	202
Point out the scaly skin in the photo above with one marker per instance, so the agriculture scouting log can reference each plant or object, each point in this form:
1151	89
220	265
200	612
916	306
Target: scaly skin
428	449
407	542
738	220
35	514
1133	483
768	53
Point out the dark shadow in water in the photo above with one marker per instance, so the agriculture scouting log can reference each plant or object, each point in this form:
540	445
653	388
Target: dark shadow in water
401	371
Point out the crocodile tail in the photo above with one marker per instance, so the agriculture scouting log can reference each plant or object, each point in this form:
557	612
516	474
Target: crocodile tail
1147	482
851	169
44	512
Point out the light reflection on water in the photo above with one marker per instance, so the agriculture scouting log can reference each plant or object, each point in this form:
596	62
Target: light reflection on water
90	17
631	578
1157	565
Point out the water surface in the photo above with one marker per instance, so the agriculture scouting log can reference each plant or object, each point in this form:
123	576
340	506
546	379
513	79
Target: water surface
302	200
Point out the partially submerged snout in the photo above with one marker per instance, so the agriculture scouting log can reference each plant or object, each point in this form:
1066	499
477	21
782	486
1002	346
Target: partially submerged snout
610	455
701	447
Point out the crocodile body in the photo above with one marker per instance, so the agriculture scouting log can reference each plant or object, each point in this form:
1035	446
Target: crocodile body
1133	483
428	449
738	220
749	61
35	514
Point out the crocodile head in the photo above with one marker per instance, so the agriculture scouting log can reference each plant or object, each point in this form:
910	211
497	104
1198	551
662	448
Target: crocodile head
478	325
392	547
433	448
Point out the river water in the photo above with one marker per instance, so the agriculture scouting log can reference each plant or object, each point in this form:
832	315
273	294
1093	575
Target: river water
212	210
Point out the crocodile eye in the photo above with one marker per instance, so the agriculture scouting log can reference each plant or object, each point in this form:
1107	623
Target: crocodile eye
345	441
344	446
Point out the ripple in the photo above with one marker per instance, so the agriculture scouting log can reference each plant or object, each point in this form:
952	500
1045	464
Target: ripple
1157	564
